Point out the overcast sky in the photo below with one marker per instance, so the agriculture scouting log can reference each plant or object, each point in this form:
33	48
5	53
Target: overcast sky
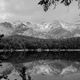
32	12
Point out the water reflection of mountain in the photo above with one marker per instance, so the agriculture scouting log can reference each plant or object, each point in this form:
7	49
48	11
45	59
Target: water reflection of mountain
20	59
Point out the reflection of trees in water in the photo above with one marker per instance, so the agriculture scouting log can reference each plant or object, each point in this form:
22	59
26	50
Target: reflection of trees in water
23	75
1	36
19	42
22	70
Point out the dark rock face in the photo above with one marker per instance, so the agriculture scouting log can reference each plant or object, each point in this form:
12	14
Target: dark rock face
6	24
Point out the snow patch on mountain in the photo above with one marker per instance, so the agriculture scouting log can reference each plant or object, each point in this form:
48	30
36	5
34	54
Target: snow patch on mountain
56	29
68	26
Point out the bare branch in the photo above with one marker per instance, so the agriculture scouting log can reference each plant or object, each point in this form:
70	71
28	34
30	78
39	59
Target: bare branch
47	3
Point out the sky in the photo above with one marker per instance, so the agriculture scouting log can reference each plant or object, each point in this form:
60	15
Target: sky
29	10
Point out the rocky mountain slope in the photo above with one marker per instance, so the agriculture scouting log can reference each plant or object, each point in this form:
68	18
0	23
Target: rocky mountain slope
53	30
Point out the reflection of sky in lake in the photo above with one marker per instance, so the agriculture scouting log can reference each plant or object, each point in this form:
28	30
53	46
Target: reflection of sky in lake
31	11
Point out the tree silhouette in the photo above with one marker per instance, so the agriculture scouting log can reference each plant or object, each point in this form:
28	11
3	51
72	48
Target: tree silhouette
47	3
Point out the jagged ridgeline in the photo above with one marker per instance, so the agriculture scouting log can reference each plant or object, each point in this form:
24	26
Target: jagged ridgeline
24	48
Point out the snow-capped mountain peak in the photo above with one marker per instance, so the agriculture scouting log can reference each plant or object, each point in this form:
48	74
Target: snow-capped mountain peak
46	30
68	26
44	27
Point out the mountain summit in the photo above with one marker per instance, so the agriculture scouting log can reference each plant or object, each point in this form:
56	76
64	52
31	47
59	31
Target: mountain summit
44	30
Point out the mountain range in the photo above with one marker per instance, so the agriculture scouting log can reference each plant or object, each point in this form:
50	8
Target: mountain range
43	30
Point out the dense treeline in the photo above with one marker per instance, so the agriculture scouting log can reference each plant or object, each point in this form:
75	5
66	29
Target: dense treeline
28	56
26	42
